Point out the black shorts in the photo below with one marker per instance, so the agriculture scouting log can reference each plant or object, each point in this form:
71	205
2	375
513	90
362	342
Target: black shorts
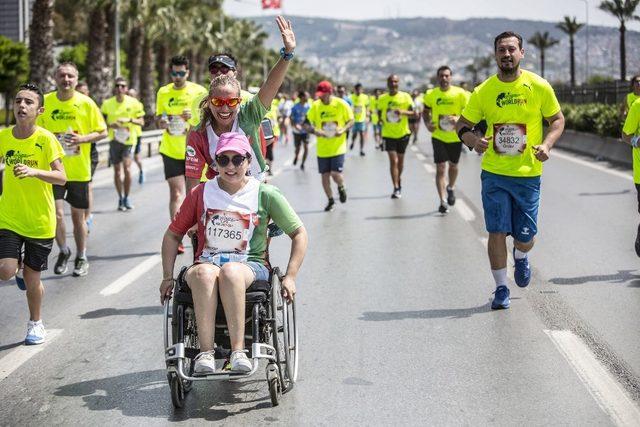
74	192
172	167
399	145
36	251
299	138
331	164
138	146
638	191
269	154
446	151
118	152
95	159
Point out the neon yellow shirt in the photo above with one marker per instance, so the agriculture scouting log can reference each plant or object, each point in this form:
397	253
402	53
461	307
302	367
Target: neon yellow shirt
329	117
81	115
514	112
446	107
272	115
26	205
129	108
632	127
631	98
173	102
360	106
373	107
394	125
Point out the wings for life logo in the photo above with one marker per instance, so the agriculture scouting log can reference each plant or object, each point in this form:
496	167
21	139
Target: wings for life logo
13	157
444	101
505	99
177	102
62	115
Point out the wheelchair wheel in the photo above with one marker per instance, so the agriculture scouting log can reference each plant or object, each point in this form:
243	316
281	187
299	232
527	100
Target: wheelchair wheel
177	391
184	330
285	336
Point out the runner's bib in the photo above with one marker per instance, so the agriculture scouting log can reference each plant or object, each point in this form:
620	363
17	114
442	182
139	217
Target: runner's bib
177	126
69	149
227	231
357	109
447	123
330	128
121	135
509	139
393	116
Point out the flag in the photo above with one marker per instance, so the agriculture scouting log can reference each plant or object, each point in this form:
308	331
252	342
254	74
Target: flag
271	4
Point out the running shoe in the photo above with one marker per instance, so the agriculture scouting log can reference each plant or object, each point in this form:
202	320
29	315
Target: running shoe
362	154
141	177
240	362
295	161
329	206
638	242
501	299
180	249
522	273
443	209
205	363
61	263
343	194
451	197
20	279
351	146
127	203
81	267
396	194
35	333
121	206
301	166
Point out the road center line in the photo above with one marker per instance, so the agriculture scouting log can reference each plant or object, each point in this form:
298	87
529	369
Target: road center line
592	165
131	276
429	168
601	385
20	355
465	211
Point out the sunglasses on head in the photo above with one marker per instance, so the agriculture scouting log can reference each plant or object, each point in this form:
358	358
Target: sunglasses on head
178	73
224	160
219	69
231	102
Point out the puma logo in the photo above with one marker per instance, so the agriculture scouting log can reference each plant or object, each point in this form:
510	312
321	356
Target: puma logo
39	146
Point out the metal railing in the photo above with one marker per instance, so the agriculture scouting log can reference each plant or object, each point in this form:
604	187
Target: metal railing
603	93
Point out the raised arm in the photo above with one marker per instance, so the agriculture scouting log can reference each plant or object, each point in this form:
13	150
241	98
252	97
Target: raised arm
275	78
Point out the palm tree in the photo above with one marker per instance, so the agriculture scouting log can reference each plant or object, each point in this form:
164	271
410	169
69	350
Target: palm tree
624	11
571	27
472	69
41	44
542	41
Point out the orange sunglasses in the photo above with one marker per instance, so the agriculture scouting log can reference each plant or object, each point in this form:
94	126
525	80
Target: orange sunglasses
231	102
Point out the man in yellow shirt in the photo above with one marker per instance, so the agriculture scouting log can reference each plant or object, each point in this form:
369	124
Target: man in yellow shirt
513	102
329	118
122	114
442	107
360	103
375	118
174	114
76	121
32	158
631	135
631	96
395	107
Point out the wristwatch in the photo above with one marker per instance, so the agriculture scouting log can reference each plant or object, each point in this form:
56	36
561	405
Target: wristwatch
286	56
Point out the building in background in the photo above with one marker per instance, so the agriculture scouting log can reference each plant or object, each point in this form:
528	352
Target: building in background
15	19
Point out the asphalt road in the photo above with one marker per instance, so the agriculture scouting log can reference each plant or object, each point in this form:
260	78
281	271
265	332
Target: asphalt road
394	311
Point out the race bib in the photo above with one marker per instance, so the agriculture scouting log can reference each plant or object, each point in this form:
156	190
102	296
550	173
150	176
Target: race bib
177	126
330	128
447	123
357	109
393	116
121	135
509	139
69	149
226	231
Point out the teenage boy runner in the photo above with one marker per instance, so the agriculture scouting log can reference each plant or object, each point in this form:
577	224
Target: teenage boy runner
360	114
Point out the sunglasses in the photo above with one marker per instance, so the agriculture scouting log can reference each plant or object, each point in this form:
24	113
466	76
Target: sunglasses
223	161
231	102
219	69
178	73
121	85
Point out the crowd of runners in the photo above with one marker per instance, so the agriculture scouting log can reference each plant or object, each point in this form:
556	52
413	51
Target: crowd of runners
217	152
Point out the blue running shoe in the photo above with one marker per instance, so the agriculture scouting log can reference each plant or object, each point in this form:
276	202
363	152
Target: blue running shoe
141	177
35	333
501	299
20	280
522	274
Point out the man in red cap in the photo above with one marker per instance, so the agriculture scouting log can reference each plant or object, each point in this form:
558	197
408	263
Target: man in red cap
329	119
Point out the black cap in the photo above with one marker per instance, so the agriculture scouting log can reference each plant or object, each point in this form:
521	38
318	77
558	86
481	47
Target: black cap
222	59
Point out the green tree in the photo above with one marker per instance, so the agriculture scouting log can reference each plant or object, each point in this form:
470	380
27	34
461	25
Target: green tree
542	41
76	54
14	68
624	11
570	27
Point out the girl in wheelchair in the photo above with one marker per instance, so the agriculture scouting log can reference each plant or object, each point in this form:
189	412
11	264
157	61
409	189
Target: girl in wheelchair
232	212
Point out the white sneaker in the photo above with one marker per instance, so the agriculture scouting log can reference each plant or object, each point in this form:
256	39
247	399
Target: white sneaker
240	362
35	333
205	363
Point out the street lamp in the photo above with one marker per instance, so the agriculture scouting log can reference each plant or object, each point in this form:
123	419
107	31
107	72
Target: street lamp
586	53
117	38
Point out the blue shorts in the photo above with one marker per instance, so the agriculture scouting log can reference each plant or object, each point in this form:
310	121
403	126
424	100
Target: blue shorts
359	127
331	164
260	271
511	205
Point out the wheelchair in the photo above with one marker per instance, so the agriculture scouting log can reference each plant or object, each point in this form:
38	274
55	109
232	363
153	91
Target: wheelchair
270	334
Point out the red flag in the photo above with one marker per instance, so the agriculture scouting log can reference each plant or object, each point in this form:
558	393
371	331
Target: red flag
271	4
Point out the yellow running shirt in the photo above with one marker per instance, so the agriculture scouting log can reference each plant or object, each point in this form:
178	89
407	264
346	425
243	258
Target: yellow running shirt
360	105
631	98
81	115
173	102
272	115
514	112
329	117
26	205
394	125
632	127
129	108
446	107
373	107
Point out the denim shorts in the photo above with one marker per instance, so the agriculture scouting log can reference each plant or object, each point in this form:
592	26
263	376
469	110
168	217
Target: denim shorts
260	271
359	127
331	164
511	205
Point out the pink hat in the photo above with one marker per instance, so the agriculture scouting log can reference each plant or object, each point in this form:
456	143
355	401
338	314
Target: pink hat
233	141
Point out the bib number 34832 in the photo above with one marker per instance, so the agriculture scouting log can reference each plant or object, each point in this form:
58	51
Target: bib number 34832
509	139
227	231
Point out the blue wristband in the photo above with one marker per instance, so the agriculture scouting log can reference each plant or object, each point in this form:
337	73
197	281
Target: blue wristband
286	56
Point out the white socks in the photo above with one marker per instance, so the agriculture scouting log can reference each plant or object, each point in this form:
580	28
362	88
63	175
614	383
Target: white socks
518	254
500	276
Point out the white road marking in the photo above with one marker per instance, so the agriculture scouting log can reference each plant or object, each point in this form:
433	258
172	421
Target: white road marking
464	210
592	165
20	355
429	168
611	398
131	276
421	157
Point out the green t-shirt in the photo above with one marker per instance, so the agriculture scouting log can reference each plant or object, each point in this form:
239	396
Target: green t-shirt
129	108
394	125
26	205
329	117
632	127
514	112
360	105
81	115
173	102
446	107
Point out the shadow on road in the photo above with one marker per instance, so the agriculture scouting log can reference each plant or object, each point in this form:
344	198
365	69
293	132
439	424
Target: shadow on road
384	196
606	193
622	276
453	313
120	256
413	216
133	311
10	346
